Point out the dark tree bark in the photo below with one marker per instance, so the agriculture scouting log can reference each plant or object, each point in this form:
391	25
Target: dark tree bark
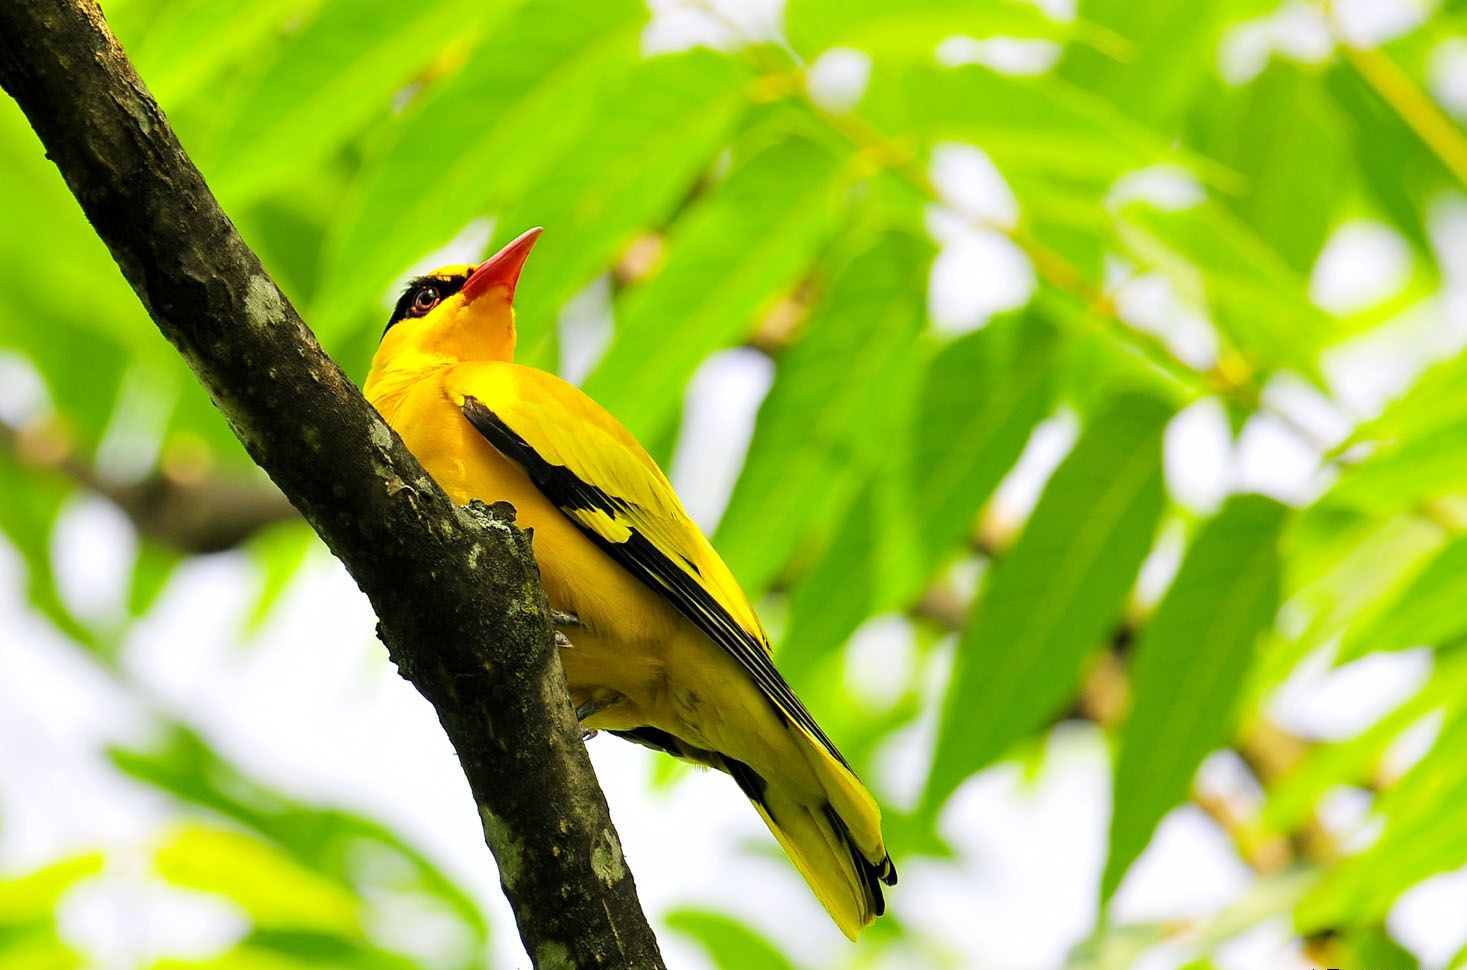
455	589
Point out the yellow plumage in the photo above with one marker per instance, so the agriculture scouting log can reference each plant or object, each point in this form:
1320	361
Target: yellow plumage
667	650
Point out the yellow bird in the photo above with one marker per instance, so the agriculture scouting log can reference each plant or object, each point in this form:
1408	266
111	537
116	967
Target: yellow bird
664	648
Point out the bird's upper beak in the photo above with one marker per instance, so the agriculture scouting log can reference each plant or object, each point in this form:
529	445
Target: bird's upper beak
503	268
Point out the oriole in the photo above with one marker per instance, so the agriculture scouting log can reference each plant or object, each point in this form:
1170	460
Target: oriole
662	646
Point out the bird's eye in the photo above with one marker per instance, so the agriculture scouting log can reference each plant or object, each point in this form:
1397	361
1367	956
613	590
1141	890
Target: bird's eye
425	300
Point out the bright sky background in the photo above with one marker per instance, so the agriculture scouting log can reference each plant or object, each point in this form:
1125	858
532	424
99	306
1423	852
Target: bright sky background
312	704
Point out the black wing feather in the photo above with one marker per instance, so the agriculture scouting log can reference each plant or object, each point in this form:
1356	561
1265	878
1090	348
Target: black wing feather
641	557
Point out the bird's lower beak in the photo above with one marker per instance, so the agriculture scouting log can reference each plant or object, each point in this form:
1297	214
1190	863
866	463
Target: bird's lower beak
503	268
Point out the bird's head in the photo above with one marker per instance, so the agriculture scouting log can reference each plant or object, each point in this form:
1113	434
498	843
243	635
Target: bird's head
462	312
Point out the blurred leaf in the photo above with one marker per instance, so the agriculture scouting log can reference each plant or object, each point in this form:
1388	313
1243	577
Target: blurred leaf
524	94
975	408
847	584
981	399
188	42
1425	833
34	895
1400	172
30	502
334	844
1352	761
1189	669
655	130
729	944
1283	133
275	949
279	554
1052	598
1428	463
1038	126
332	77
748	239
1426	613
915	27
151	571
274	889
1161	53
1375	948
1217	263
826	419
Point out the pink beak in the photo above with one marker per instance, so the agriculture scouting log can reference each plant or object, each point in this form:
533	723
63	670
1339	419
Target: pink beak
503	268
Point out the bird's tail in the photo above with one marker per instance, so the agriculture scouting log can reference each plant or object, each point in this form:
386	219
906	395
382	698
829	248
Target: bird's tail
834	840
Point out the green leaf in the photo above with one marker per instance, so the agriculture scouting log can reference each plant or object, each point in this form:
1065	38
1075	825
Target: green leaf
1398	170
34	895
1350	762
912	28
358	854
729	944
981	399
1425	833
1190	667
187	43
331	79
1426	613
1056	593
750	238
30	503
1218	263
274	889
1284	135
523	95
826	418
1168	47
279	554
1428	462
1038	127
655	129
975	408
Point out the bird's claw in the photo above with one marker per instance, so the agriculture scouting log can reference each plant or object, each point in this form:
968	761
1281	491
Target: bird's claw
562	641
584	711
562	618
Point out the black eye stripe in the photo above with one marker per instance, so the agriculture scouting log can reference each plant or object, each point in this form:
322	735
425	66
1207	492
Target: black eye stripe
445	285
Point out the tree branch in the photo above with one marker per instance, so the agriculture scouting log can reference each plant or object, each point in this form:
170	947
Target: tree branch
455	589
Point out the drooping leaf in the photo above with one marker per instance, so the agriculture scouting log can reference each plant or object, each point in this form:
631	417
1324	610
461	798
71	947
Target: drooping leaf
340	71
826	417
1056	593
186	44
1426	613
1189	669
1424	834
523	94
1219	265
338	846
1164	52
729	943
1352	761
1039	127
976	408
747	240
656	129
1283	134
274	889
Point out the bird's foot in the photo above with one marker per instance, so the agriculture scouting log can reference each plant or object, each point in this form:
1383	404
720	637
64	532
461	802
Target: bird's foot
562	641
562	618
591	708
584	711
